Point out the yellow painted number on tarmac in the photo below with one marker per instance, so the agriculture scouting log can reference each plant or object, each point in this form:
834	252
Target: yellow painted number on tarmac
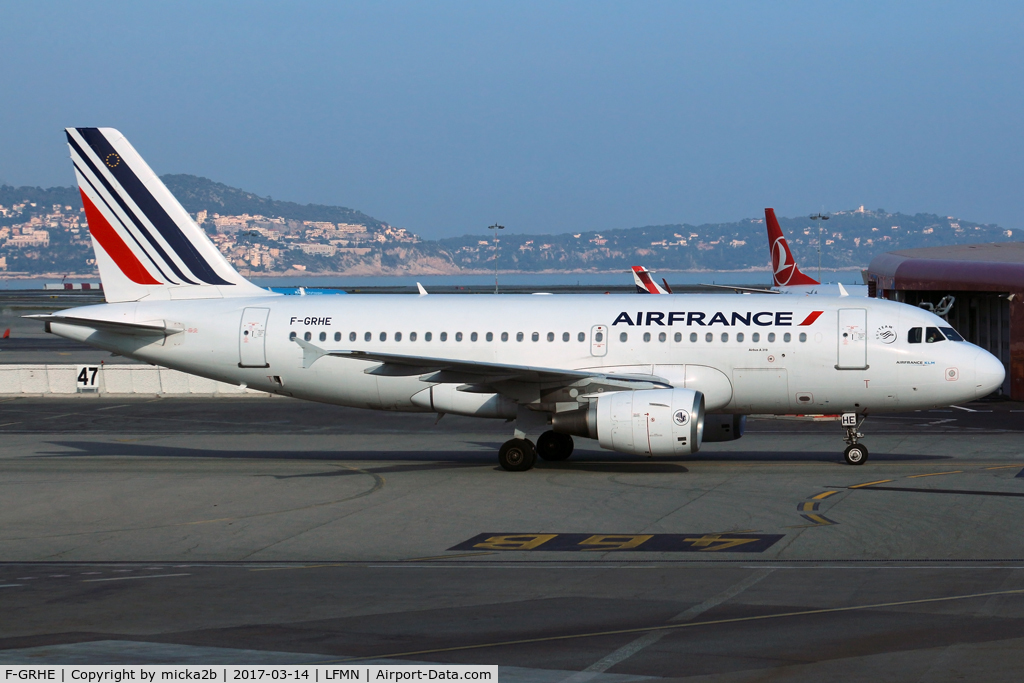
615	541
713	542
515	542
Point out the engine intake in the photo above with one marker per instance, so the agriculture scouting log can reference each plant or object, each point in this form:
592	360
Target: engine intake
645	422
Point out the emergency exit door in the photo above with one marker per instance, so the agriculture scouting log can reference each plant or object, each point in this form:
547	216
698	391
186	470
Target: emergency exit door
853	339
599	340
252	338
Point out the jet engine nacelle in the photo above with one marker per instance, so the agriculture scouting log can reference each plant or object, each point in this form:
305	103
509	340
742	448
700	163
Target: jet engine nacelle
645	422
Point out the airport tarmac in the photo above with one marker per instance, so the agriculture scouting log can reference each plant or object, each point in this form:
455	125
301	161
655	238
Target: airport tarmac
269	531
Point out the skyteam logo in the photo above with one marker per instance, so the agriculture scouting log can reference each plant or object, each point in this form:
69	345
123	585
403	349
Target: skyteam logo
681	417
885	334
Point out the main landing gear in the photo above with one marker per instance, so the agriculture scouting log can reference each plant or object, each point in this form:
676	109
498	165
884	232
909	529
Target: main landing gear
855	453
519	455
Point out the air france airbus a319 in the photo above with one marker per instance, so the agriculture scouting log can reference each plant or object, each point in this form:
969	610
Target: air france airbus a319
655	377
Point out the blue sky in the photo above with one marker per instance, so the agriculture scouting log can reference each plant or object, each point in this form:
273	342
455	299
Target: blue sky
547	117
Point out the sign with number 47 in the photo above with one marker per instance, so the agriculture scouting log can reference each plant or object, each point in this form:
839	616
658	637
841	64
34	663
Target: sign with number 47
88	378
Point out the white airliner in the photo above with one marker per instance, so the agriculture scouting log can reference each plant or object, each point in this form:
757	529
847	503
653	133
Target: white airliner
652	377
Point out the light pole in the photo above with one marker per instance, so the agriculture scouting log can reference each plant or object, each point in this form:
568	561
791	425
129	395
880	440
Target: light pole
495	228
819	217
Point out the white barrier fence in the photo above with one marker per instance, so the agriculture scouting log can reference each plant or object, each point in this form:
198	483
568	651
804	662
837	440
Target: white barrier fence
62	380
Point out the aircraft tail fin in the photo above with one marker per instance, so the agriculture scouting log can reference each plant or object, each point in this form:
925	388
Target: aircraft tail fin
644	283
784	269
146	244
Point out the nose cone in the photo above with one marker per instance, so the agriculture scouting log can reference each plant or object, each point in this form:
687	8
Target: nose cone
988	374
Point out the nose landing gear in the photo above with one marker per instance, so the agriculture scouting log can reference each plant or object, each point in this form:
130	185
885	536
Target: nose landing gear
855	453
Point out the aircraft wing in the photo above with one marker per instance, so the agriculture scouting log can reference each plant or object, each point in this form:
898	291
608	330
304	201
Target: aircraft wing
484	376
751	290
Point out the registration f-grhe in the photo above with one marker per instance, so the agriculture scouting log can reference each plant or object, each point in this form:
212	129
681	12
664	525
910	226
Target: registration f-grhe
655	378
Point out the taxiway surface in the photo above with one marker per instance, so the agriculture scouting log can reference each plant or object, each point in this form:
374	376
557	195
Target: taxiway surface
150	529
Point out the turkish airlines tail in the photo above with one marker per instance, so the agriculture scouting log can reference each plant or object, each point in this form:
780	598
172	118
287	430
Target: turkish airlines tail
146	244
784	269
645	284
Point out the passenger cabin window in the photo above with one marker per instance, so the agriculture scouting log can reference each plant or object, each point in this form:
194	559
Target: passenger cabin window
771	336
755	337
647	336
709	337
535	336
787	337
474	336
351	336
565	336
412	336
398	336
739	336
662	337
427	336
599	337
693	336
914	335
458	336
519	336
504	336
323	336
444	336
291	337
932	335
490	336
622	337
383	336
581	336
551	336
337	336
725	336
368	336
678	336
951	334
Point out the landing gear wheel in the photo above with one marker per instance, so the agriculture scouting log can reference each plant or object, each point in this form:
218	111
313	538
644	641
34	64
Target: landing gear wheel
517	455
553	446
856	454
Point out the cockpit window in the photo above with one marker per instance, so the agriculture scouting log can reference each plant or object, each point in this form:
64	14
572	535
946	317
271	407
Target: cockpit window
951	334
933	335
914	335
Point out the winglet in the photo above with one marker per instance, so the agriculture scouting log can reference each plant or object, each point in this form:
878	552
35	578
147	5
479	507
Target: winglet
784	269
842	290
422	289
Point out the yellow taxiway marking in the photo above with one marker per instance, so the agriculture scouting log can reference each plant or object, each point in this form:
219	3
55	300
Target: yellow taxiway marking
819	520
870	483
672	627
807	507
824	495
446	557
933	474
1003	467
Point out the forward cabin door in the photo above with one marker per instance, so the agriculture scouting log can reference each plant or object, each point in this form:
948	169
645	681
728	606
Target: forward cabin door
853	339
252	338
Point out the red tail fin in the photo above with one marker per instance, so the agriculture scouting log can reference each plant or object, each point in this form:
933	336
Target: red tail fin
784	269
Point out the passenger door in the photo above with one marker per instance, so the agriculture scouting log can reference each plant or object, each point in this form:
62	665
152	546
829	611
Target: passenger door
252	338
852	353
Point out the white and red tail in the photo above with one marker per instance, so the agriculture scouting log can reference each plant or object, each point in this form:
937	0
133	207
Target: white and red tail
785	272
645	284
146	244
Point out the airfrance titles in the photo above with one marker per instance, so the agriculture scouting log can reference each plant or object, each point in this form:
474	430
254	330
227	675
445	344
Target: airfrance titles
700	318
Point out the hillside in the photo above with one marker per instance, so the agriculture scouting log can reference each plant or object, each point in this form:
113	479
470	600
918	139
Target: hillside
44	231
